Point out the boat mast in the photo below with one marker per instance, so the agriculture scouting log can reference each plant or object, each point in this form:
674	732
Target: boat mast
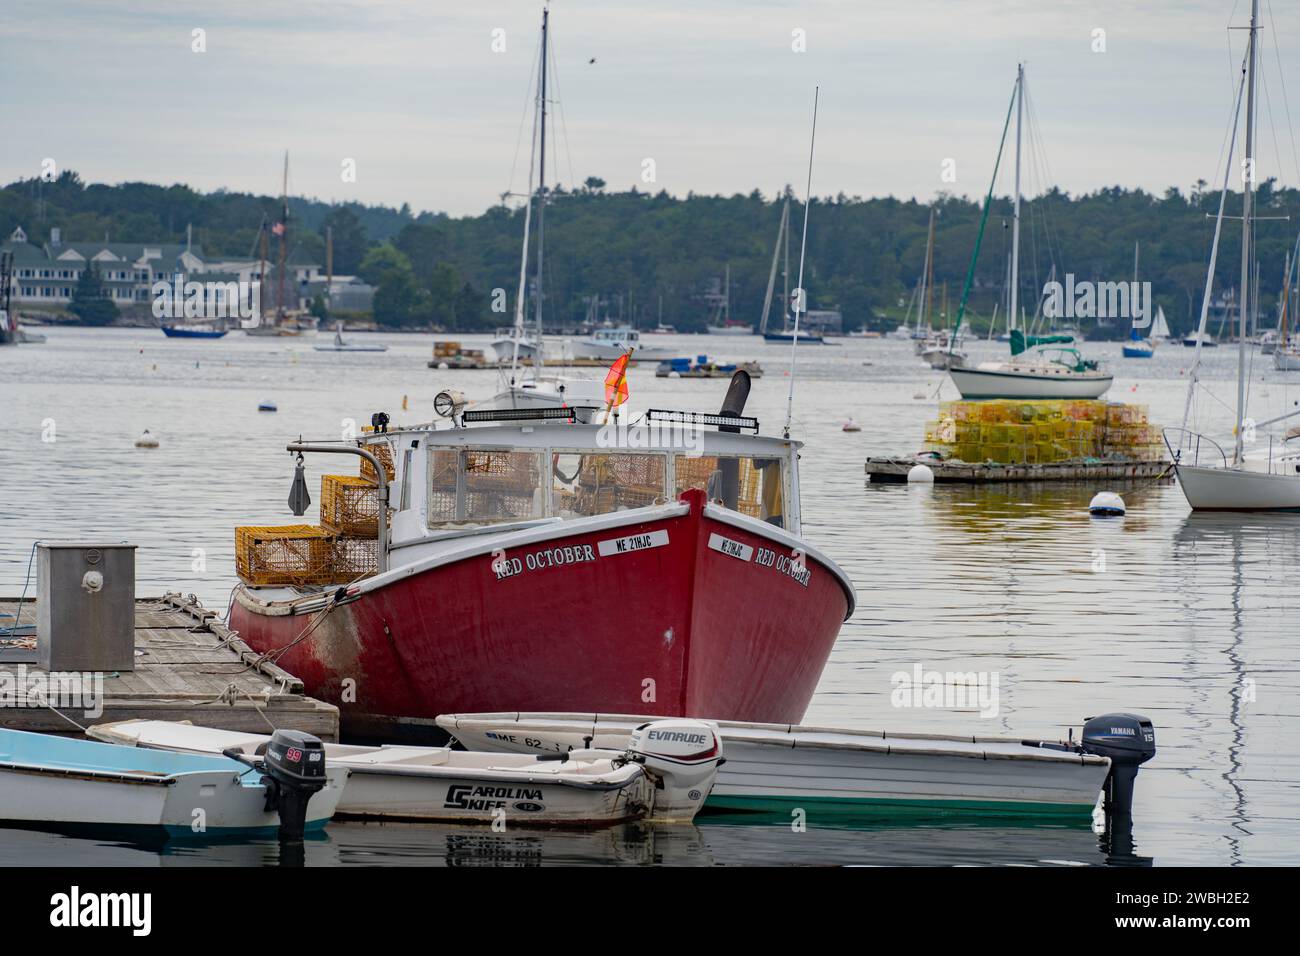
541	188
726	303
1015	207
927	287
284	235
771	276
800	296
1247	194
1193	375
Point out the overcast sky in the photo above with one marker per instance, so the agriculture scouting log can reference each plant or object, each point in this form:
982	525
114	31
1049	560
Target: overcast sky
710	90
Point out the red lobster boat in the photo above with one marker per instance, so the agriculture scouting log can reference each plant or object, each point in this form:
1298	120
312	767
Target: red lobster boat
539	562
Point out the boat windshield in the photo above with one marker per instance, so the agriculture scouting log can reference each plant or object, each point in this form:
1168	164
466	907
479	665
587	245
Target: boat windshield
487	486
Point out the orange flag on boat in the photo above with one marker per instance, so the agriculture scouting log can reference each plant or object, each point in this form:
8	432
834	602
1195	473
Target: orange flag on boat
616	382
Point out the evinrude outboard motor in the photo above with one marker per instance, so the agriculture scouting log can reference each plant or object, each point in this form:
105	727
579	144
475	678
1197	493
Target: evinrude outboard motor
292	769
683	757
1129	740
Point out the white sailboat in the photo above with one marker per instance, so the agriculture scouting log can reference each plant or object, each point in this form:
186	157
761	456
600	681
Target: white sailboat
1041	367
1138	345
535	388
1210	479
722	323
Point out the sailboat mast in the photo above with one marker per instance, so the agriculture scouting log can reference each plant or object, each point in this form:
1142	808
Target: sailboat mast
541	186
726	304
927	286
284	234
1247	195
771	276
1015	207
801	304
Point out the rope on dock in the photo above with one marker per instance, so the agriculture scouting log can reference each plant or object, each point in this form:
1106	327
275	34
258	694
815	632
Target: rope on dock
230	696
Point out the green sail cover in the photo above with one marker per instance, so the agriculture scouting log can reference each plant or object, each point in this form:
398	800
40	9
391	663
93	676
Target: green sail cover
1020	342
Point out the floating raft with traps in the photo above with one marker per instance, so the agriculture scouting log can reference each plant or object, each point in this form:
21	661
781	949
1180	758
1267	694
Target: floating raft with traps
895	469
188	666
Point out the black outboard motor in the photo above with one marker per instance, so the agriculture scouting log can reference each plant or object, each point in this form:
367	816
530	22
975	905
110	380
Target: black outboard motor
1129	740
293	769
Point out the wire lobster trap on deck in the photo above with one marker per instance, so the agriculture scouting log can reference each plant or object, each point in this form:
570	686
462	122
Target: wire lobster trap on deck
349	505
298	555
384	452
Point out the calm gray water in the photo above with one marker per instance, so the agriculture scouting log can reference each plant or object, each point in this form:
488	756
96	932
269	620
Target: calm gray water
1191	622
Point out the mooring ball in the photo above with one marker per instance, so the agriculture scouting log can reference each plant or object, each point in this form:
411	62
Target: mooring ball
1106	504
921	475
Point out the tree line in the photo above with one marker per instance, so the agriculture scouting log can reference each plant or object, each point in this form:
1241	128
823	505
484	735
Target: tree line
639	257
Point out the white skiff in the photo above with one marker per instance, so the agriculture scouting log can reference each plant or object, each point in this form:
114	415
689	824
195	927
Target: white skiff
653	776
836	773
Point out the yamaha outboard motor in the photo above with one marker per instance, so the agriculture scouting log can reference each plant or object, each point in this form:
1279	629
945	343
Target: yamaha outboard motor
1129	741
293	770
682	757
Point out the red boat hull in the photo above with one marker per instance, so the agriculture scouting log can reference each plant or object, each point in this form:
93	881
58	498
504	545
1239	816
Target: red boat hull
695	614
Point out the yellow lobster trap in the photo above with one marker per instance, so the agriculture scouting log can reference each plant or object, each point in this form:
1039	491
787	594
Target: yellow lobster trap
349	505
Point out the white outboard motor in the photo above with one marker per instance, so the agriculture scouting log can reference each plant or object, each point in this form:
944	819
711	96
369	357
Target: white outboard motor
683	757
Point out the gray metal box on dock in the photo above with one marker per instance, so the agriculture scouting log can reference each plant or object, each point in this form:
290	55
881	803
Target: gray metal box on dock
85	606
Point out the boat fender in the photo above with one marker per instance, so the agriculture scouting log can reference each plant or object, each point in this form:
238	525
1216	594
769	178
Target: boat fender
562	758
1129	740
1106	504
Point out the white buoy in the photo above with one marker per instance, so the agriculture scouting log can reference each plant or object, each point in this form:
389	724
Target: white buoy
674	374
1106	504
920	475
443	366
146	441
852	426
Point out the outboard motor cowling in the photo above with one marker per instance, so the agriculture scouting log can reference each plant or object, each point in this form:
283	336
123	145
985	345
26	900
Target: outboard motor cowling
682	756
293	769
1129	740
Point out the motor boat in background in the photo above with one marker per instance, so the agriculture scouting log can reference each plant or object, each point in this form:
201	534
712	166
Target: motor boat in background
663	771
193	332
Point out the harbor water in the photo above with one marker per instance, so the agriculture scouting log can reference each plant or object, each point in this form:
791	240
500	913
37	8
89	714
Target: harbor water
1188	619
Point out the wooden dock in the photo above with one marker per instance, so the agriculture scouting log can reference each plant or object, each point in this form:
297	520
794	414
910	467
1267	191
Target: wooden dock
896	469
189	666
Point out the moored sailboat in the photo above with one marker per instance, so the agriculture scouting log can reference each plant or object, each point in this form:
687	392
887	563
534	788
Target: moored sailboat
1237	482
1041	367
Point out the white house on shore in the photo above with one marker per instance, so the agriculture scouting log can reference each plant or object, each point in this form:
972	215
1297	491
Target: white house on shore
47	274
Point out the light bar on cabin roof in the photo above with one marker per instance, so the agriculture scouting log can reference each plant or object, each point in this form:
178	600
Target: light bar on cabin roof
702	418
565	413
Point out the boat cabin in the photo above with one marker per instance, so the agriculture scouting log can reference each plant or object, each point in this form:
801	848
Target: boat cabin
450	481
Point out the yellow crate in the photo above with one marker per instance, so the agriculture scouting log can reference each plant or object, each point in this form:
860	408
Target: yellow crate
384	452
354	558
298	554
349	505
